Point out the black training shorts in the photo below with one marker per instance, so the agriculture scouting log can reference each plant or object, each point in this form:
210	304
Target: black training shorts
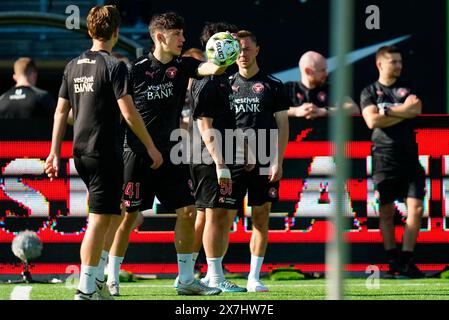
260	189
170	183
104	181
209	194
396	178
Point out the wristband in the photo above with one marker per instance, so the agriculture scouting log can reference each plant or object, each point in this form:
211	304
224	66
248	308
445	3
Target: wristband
223	174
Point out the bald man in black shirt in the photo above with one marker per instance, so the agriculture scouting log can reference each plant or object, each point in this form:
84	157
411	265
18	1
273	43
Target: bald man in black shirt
310	95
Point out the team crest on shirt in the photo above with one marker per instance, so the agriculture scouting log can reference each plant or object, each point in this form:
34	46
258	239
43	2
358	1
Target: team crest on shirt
258	88
322	96
272	193
221	200
171	72
235	88
300	96
401	92
190	184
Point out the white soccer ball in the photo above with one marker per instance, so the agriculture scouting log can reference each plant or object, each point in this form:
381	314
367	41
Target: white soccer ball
222	49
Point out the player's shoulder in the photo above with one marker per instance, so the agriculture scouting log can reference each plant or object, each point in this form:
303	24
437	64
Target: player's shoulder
199	85
142	60
39	91
73	62
268	77
233	77
370	88
182	59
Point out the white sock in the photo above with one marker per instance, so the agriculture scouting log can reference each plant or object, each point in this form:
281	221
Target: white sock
256	264
185	268
215	271
114	269
194	257
102	265
87	279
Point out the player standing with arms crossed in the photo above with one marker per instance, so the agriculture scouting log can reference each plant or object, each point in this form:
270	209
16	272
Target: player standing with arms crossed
388	107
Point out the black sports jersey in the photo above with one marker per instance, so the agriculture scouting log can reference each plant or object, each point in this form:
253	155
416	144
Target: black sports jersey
399	137
256	100
300	94
93	82
210	99
24	102
159	91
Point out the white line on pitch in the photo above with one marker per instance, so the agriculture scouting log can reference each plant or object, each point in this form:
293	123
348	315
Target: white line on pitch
21	293
302	285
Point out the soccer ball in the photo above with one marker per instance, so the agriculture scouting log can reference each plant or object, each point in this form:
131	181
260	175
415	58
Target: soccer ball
222	49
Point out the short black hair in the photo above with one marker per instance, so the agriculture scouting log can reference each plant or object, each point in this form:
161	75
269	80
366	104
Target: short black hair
165	21
247	34
387	50
211	28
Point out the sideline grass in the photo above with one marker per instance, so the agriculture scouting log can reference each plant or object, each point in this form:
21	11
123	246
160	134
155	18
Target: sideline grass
420	289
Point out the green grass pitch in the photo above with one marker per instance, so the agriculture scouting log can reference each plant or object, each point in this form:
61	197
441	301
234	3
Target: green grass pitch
161	289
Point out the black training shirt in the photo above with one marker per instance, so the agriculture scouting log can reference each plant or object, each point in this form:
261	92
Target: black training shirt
255	101
210	99
300	94
399	137
159	91
93	82
24	102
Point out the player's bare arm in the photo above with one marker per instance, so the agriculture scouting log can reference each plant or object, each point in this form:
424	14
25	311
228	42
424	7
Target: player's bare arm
136	124
374	119
303	111
206	130
411	108
281	118
60	122
208	69
348	105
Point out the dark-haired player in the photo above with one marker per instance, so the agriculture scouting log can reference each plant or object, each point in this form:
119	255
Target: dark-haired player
158	83
95	85
218	184
389	106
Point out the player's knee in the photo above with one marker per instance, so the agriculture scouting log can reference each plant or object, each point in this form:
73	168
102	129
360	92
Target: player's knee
219	219
260	221
187	214
129	221
387	213
416	210
260	216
